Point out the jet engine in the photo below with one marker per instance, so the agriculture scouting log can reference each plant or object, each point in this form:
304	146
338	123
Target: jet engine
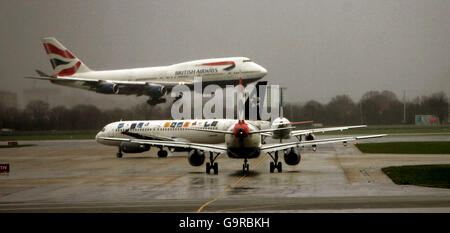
310	137
108	88
131	147
196	158
156	91
292	157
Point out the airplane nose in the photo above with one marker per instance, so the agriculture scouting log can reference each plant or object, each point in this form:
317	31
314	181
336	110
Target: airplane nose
263	71
96	136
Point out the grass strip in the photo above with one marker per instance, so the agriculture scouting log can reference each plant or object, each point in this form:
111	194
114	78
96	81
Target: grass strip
437	176
405	147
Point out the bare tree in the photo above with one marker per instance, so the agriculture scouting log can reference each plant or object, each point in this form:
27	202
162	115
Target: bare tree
342	110
436	104
37	114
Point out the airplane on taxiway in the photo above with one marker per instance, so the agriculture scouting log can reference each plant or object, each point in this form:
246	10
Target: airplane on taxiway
243	140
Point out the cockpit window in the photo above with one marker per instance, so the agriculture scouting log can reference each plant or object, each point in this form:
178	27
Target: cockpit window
248	60
103	130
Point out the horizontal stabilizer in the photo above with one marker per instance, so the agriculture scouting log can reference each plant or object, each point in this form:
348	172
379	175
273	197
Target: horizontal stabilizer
41	73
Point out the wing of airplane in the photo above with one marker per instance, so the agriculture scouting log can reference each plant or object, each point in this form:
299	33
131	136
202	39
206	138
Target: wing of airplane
265	131
174	144
125	87
318	130
294	123
267	148
100	81
321	130
147	137
222	148
87	81
211	130
231	132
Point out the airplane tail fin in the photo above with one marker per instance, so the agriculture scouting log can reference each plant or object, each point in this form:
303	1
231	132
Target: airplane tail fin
281	103
64	62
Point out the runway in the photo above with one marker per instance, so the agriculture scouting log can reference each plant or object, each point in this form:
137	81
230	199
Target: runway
83	176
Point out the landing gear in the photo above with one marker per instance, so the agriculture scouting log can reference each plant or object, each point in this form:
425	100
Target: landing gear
212	165
208	167
275	164
215	167
245	167
162	153
154	102
119	154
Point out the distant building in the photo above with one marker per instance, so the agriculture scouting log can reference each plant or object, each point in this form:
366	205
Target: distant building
8	99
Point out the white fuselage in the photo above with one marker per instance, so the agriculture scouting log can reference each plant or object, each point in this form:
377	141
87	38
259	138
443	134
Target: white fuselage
251	141
172	129
278	123
220	71
244	147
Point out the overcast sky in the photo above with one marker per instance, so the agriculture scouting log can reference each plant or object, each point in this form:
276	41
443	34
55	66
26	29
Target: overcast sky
318	49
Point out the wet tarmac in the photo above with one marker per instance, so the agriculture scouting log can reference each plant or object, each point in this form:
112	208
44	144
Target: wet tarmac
83	176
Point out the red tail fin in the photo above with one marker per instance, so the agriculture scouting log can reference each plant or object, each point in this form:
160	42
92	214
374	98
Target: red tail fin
64	63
